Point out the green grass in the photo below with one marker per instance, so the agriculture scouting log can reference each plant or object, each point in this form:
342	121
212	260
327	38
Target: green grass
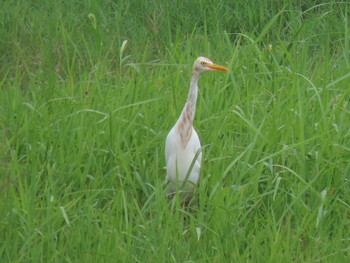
83	121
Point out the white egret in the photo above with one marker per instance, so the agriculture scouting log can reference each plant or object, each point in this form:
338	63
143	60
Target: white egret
182	147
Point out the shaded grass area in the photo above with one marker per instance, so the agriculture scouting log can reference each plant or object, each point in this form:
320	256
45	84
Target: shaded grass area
84	116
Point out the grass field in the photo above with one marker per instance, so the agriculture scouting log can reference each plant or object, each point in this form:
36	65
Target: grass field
90	89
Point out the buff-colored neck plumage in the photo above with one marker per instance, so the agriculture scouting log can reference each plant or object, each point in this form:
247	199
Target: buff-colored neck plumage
184	123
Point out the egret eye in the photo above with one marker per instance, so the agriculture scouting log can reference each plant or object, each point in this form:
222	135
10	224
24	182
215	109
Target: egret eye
203	63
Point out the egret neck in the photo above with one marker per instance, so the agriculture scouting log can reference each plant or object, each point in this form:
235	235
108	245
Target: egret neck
184	123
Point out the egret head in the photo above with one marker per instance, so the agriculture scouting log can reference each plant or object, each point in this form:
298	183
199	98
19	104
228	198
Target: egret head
203	64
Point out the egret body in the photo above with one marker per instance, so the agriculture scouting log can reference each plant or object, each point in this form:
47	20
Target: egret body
182	147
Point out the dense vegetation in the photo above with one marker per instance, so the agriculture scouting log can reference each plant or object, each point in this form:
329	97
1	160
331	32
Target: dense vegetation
89	90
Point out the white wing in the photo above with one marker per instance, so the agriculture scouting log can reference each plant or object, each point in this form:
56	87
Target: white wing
179	159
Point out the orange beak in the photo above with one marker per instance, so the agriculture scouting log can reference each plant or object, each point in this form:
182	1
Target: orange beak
217	67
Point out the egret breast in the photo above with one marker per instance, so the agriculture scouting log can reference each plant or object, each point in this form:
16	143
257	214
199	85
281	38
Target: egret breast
179	158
